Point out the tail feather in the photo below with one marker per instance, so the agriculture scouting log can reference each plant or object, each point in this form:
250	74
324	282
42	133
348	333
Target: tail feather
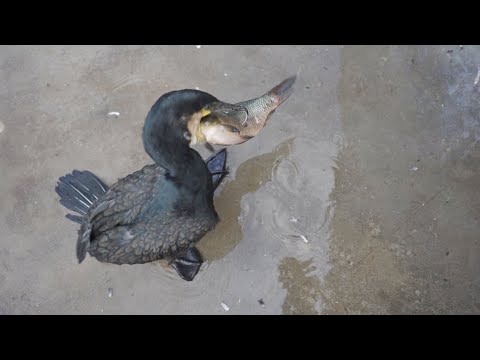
74	218
78	191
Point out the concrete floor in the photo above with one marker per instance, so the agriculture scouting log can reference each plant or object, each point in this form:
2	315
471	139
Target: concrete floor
374	161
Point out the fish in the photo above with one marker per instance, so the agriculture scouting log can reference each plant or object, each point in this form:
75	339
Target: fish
232	124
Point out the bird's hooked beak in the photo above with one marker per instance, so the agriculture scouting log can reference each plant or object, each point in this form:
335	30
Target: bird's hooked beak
205	112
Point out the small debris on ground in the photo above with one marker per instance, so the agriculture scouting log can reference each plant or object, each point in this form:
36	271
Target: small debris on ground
114	113
2	127
198	46
414	168
304	239
261	302
293	219
110	292
225	307
477	79
225	74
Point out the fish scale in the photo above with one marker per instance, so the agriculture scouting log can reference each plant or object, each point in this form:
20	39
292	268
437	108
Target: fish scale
231	124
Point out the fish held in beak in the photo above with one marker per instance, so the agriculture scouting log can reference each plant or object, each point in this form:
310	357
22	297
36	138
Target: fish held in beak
232	124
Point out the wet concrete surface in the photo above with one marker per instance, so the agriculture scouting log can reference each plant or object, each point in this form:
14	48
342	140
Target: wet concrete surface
361	196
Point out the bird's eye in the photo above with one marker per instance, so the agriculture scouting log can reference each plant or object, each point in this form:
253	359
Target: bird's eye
187	135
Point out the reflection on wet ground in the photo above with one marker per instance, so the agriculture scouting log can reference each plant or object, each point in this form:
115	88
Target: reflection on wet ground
249	176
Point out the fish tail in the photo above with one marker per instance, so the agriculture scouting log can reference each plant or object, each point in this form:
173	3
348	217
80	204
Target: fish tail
283	90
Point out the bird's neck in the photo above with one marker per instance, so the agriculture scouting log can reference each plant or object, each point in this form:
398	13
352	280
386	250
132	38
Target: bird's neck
164	143
164	137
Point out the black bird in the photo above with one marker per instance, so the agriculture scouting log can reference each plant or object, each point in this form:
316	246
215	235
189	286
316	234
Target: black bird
164	209
160	211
